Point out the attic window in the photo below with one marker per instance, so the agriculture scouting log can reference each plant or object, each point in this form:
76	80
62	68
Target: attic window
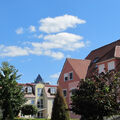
66	77
96	59
29	89
52	90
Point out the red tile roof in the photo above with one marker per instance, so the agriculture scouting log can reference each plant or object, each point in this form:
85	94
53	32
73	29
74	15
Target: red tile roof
79	66
103	53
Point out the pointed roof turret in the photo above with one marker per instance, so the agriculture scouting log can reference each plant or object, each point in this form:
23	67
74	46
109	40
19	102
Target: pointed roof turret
39	79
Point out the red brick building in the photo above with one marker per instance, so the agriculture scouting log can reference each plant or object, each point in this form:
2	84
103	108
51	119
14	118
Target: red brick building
102	59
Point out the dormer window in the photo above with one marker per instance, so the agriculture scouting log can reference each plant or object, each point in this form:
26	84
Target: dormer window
111	65
71	75
29	89
23	89
66	77
96	59
52	90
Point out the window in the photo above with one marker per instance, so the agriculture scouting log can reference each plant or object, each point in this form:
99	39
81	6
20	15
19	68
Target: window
66	77
32	102
101	68
40	103
96	59
72	92
71	75
111	65
29	89
53	90
23	89
40	92
65	93
40	114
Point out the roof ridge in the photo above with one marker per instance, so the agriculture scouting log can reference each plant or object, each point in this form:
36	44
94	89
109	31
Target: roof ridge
106	45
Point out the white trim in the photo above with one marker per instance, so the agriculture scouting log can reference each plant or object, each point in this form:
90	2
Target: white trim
29	89
66	75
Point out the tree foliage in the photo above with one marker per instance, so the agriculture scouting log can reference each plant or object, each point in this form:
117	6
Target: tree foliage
98	96
29	110
11	96
60	109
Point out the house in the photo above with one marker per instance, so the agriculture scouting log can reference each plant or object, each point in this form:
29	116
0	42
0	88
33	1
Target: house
103	59
41	95
50	91
73	70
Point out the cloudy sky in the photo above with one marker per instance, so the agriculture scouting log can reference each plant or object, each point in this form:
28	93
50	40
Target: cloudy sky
36	36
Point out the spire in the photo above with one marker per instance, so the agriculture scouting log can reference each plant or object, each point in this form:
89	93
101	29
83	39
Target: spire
39	79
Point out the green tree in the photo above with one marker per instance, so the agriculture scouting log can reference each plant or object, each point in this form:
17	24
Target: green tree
97	97
29	110
11	96
60	109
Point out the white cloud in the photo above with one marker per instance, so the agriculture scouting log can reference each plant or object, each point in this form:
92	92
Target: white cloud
56	55
55	76
19	31
60	23
65	41
32	28
38	36
12	51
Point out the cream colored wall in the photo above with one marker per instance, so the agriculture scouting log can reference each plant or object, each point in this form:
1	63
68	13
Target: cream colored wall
39	85
49	106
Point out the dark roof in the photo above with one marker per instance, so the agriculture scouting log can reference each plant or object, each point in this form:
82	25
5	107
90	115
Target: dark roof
39	79
103	53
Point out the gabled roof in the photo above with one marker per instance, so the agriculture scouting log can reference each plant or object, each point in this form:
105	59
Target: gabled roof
79	66
39	79
103	53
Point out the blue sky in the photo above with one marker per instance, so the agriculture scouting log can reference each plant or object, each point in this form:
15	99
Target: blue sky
36	36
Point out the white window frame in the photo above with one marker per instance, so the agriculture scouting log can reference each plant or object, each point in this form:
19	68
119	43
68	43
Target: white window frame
39	91
63	92
66	75
72	75
29	89
111	65
101	68
52	90
41	104
41	114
